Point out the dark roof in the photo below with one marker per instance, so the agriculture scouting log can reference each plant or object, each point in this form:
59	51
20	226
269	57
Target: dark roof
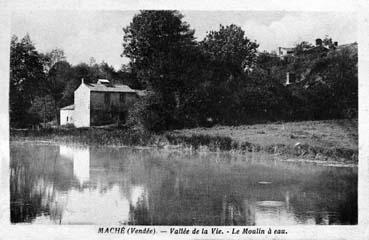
95	87
70	107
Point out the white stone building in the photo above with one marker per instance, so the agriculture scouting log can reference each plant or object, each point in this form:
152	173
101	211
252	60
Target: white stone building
66	115
98	103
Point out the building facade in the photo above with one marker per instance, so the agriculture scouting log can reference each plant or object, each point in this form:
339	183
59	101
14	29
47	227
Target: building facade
98	104
66	115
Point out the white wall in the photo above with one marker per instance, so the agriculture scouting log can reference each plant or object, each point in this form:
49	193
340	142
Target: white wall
82	106
66	117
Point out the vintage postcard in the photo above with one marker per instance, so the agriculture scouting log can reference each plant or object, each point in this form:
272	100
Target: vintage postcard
186	121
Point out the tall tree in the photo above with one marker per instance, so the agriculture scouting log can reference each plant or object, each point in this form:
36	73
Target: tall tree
57	79
27	79
154	42
160	45
230	56
57	71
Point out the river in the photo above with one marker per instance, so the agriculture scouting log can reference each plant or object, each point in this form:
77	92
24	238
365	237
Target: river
71	184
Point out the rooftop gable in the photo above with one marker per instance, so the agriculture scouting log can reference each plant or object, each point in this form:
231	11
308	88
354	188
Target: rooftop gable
70	107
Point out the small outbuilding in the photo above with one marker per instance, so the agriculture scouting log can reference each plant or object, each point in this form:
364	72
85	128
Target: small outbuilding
66	115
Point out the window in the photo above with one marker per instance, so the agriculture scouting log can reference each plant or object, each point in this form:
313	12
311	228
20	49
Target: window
121	97
67	119
107	98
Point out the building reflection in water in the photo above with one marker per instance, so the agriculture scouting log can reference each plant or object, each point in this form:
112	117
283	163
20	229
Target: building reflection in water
86	185
102	201
81	161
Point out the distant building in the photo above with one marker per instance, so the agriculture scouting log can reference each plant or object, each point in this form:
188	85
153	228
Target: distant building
320	47
98	103
283	51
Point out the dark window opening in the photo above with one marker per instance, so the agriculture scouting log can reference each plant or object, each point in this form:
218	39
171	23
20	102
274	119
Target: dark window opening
292	78
122	117
107	98
121	97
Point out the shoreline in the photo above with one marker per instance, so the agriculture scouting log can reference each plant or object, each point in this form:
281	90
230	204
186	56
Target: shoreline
299	141
202	149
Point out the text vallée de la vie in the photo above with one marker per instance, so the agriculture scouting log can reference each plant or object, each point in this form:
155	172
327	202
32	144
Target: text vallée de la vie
192	230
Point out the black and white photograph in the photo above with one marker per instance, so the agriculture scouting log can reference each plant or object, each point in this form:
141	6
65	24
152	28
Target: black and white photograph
182	118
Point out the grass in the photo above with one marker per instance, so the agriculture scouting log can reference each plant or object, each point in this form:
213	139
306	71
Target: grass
90	136
324	140
330	140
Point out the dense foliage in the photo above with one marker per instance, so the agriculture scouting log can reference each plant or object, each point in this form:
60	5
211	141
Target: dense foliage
221	79
27	79
42	83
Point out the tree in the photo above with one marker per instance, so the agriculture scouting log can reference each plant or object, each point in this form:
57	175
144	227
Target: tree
57	71
328	42
44	108
229	56
52	57
57	79
231	48
154	42
77	72
27	80
327	84
107	72
301	47
160	46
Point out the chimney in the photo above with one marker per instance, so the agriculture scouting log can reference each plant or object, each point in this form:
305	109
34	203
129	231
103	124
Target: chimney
287	78
103	82
82	81
318	42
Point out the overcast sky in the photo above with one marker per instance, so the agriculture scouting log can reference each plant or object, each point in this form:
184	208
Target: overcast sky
98	34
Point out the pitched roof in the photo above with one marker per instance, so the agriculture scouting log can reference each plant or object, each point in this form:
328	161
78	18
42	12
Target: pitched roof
70	107
95	87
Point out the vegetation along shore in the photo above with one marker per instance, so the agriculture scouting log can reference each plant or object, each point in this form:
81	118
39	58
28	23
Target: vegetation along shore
329	140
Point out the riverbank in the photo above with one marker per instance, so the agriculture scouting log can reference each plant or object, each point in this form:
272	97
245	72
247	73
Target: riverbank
329	141
88	136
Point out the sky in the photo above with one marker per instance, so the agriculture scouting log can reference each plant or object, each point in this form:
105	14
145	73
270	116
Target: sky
98	34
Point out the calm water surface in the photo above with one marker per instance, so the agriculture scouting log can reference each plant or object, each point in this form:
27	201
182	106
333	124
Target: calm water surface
64	184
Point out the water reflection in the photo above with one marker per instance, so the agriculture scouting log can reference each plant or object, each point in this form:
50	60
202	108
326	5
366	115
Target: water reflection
81	161
86	185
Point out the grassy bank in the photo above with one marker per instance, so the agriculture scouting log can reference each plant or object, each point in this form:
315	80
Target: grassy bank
90	136
331	140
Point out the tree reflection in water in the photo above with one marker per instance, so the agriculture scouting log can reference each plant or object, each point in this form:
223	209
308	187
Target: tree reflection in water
68	184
